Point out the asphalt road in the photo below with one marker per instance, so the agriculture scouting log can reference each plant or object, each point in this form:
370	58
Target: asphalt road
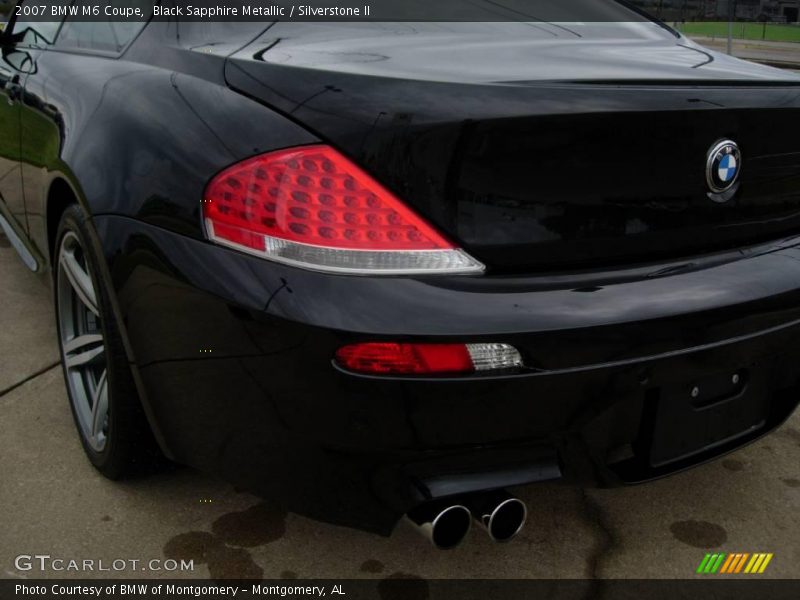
52	501
777	54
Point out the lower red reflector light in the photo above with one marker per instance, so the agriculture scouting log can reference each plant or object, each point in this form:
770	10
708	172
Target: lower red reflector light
406	359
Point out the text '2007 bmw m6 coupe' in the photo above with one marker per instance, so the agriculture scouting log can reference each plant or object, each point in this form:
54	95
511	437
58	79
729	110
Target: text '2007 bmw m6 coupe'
383	269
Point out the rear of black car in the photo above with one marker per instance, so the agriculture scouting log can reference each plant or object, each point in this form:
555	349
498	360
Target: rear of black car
545	151
610	318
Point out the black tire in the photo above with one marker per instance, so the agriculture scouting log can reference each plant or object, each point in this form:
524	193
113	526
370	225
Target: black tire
129	446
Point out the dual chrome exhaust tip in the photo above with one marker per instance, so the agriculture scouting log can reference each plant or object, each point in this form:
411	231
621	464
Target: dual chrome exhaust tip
502	515
446	524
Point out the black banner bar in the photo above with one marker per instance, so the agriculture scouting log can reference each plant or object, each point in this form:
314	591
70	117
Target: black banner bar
710	588
332	10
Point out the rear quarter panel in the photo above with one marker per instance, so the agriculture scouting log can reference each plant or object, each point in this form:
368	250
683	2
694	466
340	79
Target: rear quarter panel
140	135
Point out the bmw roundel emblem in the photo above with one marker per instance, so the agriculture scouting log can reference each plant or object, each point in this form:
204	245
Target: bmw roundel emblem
724	166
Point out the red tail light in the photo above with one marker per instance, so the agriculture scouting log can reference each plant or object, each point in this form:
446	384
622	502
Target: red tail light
383	358
313	207
410	359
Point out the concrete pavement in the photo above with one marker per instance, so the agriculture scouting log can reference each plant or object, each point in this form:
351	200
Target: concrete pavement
53	502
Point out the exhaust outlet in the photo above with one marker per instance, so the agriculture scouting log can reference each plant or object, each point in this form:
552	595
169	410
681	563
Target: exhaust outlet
502	515
445	525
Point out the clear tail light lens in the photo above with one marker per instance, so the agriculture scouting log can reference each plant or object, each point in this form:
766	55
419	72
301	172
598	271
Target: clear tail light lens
386	358
312	207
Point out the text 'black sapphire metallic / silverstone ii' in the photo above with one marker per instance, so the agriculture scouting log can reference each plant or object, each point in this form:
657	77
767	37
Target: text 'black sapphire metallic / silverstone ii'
381	269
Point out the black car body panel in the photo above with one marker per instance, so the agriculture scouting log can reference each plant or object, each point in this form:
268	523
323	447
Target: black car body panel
361	451
166	117
621	282
538	152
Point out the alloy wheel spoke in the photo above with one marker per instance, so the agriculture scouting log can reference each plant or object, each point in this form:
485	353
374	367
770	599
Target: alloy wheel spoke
82	342
100	405
83	350
80	281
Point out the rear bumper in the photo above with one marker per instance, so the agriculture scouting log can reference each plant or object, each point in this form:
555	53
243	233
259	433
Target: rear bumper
234	357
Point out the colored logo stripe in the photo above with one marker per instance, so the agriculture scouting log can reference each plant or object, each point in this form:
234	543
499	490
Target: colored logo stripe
736	562
759	563
728	563
711	563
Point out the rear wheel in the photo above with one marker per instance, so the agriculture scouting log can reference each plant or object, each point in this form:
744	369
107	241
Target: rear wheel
102	393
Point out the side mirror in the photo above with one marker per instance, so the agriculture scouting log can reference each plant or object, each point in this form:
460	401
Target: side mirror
29	36
36	34
20	60
7	18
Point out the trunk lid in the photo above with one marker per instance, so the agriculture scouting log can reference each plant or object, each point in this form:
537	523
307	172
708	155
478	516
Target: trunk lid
547	146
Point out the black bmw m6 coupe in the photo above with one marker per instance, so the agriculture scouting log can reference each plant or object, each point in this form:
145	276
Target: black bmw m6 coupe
386	269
